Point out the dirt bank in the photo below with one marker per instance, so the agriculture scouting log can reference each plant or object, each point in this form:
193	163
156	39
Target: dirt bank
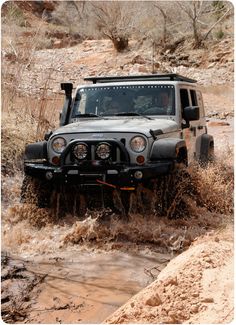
195	287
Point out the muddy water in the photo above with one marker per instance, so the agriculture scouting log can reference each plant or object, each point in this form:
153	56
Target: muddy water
223	133
87	286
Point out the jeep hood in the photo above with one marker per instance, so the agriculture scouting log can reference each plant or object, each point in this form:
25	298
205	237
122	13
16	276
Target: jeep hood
121	125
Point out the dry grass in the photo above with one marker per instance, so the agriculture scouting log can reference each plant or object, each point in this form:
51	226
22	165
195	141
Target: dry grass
24	120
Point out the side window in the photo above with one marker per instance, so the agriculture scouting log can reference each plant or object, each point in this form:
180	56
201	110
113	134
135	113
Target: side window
193	97
184	98
200	103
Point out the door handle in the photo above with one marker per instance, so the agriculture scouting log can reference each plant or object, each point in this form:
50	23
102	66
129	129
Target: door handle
194	130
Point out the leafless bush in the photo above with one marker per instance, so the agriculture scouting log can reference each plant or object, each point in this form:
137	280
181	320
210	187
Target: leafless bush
96	19
114	20
203	17
24	118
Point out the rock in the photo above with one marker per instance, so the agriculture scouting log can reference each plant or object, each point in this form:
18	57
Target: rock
143	69
183	57
218	123
138	59
208	300
171	280
211	65
194	309
153	301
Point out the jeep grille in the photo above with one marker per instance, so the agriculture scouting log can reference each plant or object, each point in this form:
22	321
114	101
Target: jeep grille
88	151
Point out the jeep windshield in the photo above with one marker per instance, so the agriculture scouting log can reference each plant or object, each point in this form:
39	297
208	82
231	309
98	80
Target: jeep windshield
124	100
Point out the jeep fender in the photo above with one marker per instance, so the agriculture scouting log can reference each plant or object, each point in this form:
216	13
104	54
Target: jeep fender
205	144
37	150
169	148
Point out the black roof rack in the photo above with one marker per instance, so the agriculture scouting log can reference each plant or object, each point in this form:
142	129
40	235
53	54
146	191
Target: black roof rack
152	77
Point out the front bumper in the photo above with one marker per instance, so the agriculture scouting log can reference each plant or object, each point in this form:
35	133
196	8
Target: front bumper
114	176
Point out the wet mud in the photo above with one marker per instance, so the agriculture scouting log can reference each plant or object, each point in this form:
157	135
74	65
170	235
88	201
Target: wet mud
82	286
85	287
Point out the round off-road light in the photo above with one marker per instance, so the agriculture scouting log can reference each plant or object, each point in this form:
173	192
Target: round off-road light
138	144
58	144
138	174
103	150
80	151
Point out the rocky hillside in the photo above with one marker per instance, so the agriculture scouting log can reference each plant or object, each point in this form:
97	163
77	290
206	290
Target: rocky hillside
38	54
93	57
54	54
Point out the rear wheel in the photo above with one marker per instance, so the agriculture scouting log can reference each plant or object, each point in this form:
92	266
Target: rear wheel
175	186
207	154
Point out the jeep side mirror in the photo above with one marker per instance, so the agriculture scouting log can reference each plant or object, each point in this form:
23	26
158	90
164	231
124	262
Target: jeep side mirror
191	113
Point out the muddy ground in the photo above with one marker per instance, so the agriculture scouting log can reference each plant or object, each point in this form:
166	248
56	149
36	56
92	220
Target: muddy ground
82	271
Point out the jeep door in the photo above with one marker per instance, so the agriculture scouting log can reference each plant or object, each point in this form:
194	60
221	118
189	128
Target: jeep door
189	96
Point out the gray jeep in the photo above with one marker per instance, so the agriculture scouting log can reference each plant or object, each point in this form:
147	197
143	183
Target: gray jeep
118	133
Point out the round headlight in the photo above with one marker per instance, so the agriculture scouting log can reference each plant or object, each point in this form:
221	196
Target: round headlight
58	144
80	151
138	144
103	150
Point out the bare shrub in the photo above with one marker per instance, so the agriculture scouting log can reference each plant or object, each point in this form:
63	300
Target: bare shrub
201	15
114	20
24	120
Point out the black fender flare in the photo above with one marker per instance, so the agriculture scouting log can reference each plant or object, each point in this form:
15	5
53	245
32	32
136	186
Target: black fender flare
37	150
168	148
206	147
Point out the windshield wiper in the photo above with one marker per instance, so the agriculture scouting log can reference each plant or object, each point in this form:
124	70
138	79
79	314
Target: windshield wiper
89	115
132	114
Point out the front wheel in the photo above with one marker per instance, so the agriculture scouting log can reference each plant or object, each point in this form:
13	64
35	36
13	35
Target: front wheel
35	191
175	187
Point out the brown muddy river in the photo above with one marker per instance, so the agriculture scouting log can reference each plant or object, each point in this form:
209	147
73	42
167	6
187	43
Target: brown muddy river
86	286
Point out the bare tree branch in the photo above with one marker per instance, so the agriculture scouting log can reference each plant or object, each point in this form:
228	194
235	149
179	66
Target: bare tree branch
216	23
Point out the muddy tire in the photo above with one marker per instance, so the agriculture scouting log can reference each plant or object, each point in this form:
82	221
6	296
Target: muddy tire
171	195
35	191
